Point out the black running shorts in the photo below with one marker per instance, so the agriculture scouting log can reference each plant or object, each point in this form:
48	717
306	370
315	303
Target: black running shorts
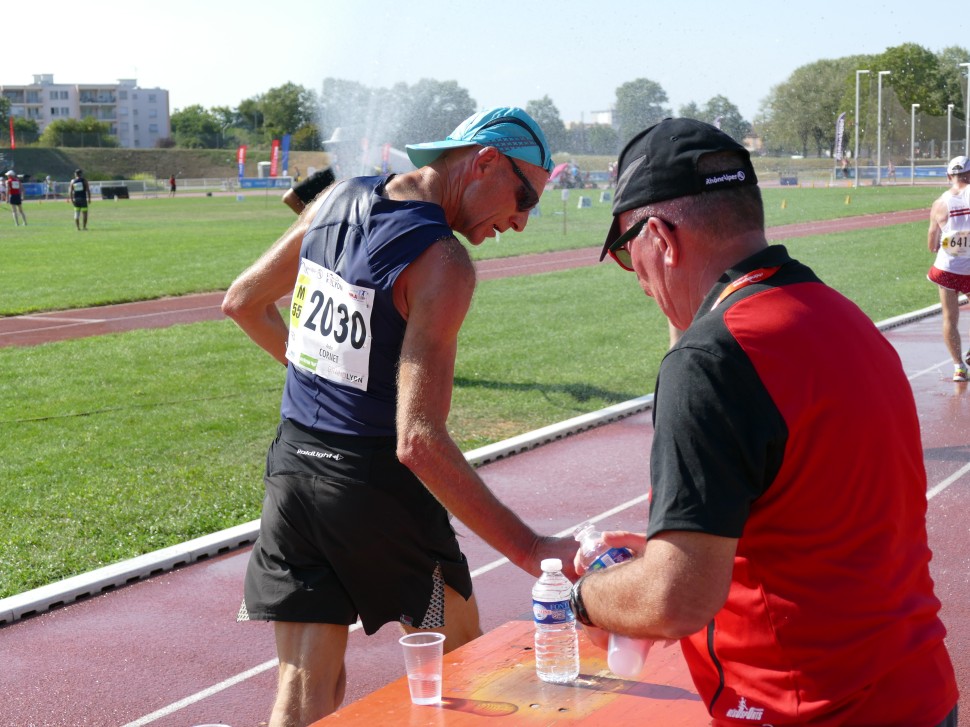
347	531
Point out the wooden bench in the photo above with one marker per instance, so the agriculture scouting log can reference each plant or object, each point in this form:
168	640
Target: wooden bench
494	676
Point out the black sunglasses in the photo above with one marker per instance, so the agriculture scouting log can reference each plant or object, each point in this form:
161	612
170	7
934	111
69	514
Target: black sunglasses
618	250
526	196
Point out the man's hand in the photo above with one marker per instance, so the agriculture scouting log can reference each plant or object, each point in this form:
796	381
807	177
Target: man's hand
566	549
636	543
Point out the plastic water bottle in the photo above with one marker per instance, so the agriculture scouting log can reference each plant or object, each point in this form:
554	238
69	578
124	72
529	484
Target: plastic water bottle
593	552
556	640
625	655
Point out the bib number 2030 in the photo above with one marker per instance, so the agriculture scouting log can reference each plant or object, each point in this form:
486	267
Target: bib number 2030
321	319
330	326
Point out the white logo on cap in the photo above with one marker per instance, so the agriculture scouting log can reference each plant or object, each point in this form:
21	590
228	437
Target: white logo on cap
725	178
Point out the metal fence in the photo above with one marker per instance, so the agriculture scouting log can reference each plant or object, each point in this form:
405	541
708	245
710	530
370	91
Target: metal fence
147	188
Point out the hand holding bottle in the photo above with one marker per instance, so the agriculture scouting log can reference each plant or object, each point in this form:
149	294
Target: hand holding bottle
625	655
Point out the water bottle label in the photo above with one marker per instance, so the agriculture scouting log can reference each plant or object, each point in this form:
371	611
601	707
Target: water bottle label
552	612
611	557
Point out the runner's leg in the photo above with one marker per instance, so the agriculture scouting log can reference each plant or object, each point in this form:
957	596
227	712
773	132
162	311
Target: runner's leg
312	675
951	317
461	620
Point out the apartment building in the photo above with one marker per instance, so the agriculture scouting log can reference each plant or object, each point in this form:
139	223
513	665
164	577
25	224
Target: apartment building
138	117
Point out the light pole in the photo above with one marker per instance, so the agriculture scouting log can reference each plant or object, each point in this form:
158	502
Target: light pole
855	157
879	130
966	138
912	144
949	116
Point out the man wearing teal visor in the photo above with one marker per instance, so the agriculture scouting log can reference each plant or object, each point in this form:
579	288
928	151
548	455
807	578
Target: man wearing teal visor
363	474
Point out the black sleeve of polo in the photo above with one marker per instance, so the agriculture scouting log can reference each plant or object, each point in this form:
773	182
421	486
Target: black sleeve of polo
719	441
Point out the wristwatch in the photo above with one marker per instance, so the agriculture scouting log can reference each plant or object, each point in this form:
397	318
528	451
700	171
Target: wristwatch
577	605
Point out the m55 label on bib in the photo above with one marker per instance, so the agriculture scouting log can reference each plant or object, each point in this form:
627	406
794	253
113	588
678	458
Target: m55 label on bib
330	326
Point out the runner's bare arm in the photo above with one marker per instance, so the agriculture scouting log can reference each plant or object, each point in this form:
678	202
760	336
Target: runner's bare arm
434	294
251	299
938	217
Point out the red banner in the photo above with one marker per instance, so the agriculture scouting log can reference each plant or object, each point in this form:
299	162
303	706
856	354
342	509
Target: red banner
274	158
241	159
13	141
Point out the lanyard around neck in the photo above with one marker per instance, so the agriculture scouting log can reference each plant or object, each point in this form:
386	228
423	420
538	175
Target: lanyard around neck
754	276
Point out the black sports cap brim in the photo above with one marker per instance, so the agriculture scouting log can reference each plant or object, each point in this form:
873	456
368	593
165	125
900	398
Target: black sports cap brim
661	163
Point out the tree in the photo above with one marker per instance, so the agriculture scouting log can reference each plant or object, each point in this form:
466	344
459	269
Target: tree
691	111
916	77
77	133
26	131
306	138
250	112
719	112
287	108
804	109
639	104
954	77
196	128
726	116
546	114
431	110
344	105
602	139
226	116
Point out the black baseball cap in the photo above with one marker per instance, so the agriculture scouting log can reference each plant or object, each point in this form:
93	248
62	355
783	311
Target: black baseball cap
660	163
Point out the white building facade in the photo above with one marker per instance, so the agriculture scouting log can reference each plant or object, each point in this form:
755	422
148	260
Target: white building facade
137	117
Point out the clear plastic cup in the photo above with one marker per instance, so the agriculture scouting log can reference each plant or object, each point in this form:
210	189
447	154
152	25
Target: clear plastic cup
422	660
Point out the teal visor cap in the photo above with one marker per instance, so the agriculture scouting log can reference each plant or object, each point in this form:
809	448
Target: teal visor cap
510	130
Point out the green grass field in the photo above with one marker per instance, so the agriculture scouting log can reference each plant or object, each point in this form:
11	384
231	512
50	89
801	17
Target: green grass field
122	444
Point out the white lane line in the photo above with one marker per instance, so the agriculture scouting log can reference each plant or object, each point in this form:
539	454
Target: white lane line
65	319
934	369
199	696
938	488
267	665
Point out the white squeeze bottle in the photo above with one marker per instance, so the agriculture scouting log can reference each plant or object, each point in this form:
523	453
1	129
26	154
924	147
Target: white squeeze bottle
625	655
556	640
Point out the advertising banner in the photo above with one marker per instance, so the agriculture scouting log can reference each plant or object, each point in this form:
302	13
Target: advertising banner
274	158
241	159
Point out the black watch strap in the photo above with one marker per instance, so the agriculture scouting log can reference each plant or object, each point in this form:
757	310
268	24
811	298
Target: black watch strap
577	605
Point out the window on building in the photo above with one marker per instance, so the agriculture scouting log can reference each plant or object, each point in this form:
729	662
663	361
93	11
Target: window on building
123	95
152	98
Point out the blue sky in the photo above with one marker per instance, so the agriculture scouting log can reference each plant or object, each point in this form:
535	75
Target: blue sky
505	52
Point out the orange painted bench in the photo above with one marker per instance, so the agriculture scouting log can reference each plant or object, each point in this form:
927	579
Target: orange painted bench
494	677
